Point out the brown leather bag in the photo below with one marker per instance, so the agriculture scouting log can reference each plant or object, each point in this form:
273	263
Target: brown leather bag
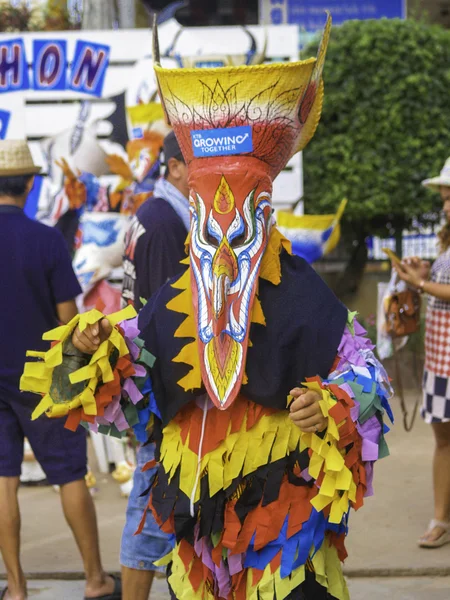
402	313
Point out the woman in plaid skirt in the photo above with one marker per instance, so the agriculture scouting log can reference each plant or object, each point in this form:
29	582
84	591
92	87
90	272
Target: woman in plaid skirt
435	282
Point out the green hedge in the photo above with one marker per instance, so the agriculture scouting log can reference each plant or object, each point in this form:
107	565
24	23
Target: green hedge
385	123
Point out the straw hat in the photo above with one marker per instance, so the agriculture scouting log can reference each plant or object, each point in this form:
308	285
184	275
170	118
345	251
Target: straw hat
16	159
443	179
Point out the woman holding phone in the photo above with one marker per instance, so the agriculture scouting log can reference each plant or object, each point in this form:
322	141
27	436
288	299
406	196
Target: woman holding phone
435	282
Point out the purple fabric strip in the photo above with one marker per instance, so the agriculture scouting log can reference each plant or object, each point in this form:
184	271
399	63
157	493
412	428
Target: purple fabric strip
223	580
121	423
235	563
355	410
369	478
130	328
131	389
305	475
351	346
139	371
112	409
133	348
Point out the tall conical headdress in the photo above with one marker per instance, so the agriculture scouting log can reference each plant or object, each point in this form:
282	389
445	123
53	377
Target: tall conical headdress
237	128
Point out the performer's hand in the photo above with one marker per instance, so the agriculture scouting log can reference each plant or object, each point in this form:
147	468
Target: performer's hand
89	340
305	410
423	267
408	273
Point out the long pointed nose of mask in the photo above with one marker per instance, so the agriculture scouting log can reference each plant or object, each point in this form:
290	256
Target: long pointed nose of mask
225	271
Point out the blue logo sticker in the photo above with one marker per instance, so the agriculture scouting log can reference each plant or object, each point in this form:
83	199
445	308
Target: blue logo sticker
221	142
209	64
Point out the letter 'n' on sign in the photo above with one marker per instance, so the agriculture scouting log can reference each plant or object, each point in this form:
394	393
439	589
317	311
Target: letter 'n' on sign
49	62
13	66
89	68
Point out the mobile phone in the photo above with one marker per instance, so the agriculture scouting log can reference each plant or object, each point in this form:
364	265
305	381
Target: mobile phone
391	255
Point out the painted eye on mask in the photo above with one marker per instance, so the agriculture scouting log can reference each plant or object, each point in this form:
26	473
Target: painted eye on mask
212	233
210	239
239	241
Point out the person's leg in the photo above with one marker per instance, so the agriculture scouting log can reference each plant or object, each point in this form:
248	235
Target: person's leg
79	511
441	479
10	538
11	456
63	457
136	583
138	552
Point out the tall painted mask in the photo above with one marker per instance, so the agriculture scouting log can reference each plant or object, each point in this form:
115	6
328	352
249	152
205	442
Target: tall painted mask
237	128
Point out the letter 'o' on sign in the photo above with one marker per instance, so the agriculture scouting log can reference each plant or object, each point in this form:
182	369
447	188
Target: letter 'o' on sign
50	62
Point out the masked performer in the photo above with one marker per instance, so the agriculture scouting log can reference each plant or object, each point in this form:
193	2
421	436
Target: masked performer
266	399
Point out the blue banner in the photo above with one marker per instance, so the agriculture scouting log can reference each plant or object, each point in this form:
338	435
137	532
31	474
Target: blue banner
49	64
5	116
222	142
310	14
32	202
13	66
89	68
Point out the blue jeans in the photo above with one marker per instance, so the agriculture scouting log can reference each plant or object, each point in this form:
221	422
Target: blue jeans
141	551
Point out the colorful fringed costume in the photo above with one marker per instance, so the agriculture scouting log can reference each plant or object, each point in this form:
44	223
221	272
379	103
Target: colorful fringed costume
257	509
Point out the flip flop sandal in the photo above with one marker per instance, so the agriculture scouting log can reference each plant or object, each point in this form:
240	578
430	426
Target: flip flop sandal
116	594
442	539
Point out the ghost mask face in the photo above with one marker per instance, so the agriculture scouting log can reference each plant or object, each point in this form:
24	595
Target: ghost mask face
231	216
237	128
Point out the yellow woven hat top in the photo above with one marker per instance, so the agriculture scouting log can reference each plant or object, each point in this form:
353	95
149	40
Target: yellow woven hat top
277	106
16	159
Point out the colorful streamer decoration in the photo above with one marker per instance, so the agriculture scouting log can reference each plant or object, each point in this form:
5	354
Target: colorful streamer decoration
99	393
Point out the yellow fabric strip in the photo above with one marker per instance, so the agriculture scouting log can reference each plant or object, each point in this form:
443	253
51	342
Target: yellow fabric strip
271	438
338	487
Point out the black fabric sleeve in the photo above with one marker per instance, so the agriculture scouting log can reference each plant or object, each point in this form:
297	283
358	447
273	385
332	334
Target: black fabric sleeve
148	333
157	259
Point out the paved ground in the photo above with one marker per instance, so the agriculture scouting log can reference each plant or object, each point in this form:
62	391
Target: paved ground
383	533
382	539
386	588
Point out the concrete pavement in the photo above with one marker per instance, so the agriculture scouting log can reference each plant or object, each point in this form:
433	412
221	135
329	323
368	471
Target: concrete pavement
386	588
382	538
383	534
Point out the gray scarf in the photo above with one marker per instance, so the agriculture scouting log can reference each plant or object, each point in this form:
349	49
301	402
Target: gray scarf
179	203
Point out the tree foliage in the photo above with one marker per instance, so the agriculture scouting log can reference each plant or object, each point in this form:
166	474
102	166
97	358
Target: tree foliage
51	16
385	124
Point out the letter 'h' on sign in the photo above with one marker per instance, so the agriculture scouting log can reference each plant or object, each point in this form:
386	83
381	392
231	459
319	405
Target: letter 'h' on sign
13	66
